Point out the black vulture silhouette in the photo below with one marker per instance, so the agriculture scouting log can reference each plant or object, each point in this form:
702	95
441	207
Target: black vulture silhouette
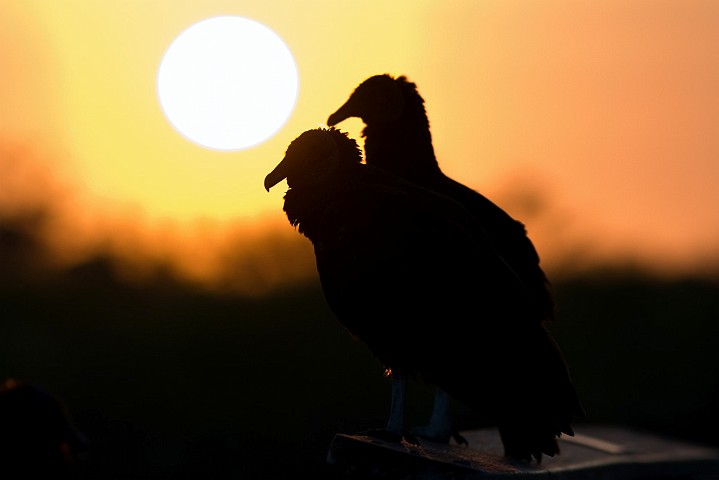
397	138
413	275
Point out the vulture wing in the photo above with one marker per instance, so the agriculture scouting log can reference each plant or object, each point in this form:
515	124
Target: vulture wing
398	139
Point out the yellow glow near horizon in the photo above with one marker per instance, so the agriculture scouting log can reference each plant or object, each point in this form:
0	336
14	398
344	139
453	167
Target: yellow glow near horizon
227	83
605	110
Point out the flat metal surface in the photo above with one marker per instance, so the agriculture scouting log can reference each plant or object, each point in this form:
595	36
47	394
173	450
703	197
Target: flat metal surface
595	452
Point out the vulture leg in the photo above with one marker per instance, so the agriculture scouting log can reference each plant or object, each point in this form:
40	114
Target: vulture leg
395	423
440	427
394	431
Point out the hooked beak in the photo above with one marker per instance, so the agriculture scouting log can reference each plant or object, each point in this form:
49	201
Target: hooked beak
276	175
343	113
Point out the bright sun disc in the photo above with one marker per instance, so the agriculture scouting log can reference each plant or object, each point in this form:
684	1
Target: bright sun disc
227	83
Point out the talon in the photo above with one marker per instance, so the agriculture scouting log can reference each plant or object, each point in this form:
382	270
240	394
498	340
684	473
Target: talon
459	439
387	436
411	439
384	434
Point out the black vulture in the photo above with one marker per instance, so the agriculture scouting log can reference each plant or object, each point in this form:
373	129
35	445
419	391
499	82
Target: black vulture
397	138
413	275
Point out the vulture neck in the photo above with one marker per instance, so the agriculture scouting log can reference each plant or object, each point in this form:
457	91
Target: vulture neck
403	147
306	206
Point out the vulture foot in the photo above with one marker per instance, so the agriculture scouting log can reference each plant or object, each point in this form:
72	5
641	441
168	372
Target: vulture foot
439	437
394	437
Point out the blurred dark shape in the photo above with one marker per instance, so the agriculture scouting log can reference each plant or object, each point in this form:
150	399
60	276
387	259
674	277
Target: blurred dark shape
37	438
22	252
412	274
398	139
315	380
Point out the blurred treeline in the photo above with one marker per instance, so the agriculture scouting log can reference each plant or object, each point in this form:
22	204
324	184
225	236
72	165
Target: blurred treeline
170	381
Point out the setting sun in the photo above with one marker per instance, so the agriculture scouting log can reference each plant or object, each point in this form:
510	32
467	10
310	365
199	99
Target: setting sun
227	83
151	282
148	127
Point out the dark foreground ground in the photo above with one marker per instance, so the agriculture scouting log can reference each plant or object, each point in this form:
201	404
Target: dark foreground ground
167	382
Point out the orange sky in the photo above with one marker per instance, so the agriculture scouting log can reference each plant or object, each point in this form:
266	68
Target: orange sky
595	123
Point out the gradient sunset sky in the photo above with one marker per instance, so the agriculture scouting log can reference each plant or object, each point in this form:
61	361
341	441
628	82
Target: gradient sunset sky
596	123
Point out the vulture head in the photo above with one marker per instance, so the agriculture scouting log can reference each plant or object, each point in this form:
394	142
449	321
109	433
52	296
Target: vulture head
379	99
313	158
397	136
315	166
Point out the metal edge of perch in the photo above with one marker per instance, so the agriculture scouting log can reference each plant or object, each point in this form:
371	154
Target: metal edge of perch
595	452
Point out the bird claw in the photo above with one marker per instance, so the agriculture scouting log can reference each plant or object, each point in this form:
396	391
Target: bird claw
410	438
424	432
459	439
393	437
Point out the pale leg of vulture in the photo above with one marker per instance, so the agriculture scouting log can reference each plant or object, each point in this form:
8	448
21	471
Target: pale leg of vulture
394	431
440	427
395	424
